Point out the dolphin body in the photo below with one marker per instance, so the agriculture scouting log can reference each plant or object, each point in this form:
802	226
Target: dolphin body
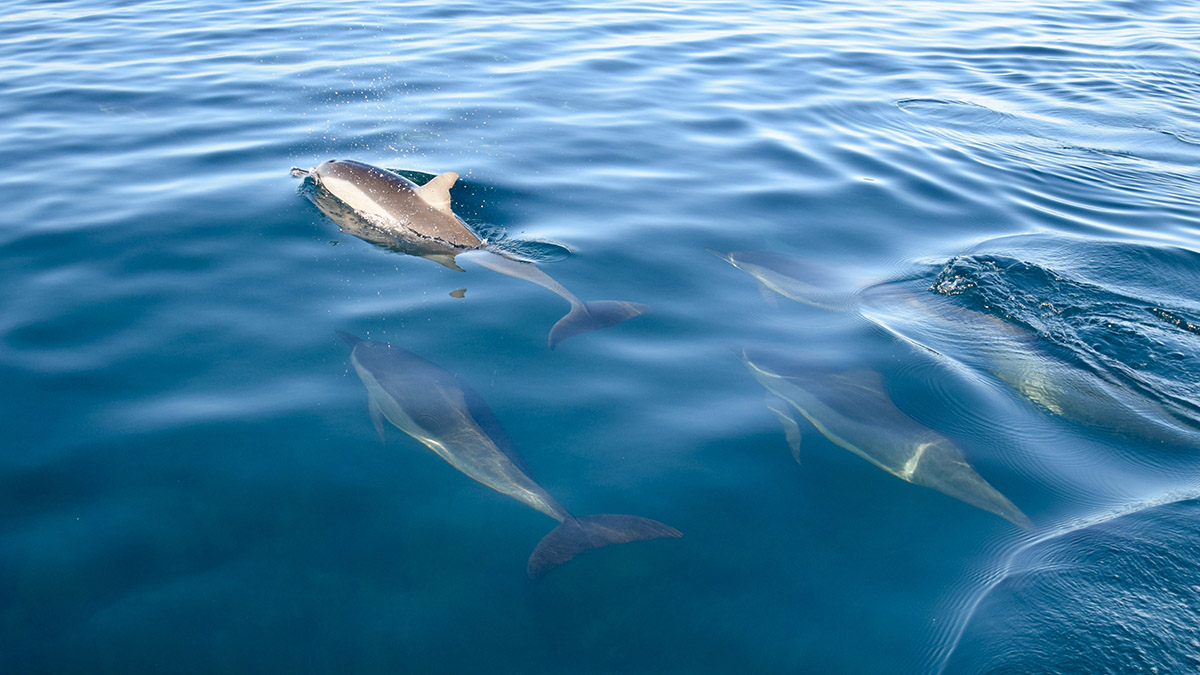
435	407
853	410
387	209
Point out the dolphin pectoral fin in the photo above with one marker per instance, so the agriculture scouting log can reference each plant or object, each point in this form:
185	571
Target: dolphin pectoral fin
446	259
376	416
578	535
769	296
791	428
589	316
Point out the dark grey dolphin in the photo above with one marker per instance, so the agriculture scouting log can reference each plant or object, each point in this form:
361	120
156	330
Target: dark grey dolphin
435	407
386	208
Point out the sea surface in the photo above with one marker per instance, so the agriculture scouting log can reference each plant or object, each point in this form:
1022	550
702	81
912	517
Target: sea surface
981	222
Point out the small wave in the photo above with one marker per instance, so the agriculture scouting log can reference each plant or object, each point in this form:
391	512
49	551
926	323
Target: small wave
1117	586
956	112
1093	327
531	250
1181	136
1177	321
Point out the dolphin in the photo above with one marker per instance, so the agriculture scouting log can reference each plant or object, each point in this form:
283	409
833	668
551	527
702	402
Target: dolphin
435	407
1013	355
387	209
908	310
785	276
852	409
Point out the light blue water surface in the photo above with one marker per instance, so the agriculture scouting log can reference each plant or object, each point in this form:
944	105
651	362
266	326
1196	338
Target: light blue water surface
190	481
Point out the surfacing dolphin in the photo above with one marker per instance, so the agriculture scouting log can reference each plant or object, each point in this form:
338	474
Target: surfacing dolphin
387	209
852	409
435	407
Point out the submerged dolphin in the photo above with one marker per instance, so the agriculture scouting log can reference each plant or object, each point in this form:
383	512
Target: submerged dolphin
435	407
784	275
911	312
853	410
386	208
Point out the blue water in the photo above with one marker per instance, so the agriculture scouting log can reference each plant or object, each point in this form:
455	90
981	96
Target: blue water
190	480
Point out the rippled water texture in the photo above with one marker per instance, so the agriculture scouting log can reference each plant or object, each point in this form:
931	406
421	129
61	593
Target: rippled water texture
1120	590
980	216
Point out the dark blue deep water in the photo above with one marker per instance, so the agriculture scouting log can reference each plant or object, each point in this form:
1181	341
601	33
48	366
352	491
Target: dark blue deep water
984	219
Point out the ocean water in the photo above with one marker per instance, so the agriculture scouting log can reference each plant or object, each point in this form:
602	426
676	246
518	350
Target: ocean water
985	218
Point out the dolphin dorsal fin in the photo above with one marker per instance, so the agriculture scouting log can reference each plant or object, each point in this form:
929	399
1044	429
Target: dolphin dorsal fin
436	192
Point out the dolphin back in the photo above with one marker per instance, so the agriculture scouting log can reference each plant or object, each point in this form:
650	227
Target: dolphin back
579	535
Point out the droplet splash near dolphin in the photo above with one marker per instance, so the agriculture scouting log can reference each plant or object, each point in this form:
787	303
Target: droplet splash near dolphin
388	210
436	408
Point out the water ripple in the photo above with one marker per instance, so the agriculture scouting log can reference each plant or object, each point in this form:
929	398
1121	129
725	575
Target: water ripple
183	434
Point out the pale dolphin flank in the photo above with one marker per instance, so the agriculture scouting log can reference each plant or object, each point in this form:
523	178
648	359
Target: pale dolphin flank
435	407
852	410
387	209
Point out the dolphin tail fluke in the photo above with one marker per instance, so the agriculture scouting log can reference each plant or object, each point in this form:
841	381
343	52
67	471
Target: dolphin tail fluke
578	535
589	316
